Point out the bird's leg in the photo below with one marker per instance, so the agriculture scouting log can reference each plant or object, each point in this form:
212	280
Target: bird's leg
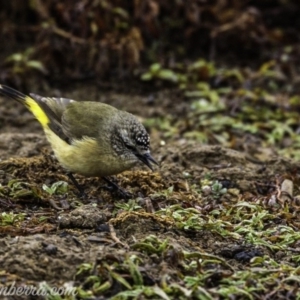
77	185
113	185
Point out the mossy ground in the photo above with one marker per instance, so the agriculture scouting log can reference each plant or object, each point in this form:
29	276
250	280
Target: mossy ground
211	222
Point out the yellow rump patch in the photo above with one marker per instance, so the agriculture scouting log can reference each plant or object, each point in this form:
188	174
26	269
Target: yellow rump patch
37	111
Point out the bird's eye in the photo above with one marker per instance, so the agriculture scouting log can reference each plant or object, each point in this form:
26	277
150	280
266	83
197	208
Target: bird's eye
130	147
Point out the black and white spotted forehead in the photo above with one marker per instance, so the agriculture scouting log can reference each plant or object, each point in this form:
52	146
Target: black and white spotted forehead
140	135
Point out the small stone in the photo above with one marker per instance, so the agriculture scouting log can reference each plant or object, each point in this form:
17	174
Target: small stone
206	190
287	186
272	201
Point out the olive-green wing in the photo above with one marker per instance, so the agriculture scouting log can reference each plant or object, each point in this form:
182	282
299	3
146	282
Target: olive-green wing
87	119
71	119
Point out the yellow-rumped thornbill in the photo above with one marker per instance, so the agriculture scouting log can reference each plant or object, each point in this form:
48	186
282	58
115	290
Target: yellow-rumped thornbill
88	138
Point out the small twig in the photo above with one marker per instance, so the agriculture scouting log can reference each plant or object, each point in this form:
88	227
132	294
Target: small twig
54	205
149	205
68	35
114	236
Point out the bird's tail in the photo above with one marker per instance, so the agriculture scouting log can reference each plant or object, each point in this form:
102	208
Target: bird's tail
29	102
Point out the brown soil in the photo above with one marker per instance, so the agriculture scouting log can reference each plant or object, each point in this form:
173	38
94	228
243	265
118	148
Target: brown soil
73	234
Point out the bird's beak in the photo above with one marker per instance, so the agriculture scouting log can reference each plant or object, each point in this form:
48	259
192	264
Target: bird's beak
147	159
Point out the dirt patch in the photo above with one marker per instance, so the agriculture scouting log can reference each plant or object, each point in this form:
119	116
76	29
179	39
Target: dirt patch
50	235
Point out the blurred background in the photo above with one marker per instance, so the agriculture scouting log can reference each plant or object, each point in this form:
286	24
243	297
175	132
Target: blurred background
220	72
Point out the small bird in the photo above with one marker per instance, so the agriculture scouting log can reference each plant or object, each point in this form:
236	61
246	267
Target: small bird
88	138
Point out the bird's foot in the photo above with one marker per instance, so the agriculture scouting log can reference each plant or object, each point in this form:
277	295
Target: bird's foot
80	189
112	186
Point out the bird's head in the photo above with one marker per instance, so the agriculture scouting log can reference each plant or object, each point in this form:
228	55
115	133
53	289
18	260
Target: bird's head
133	141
